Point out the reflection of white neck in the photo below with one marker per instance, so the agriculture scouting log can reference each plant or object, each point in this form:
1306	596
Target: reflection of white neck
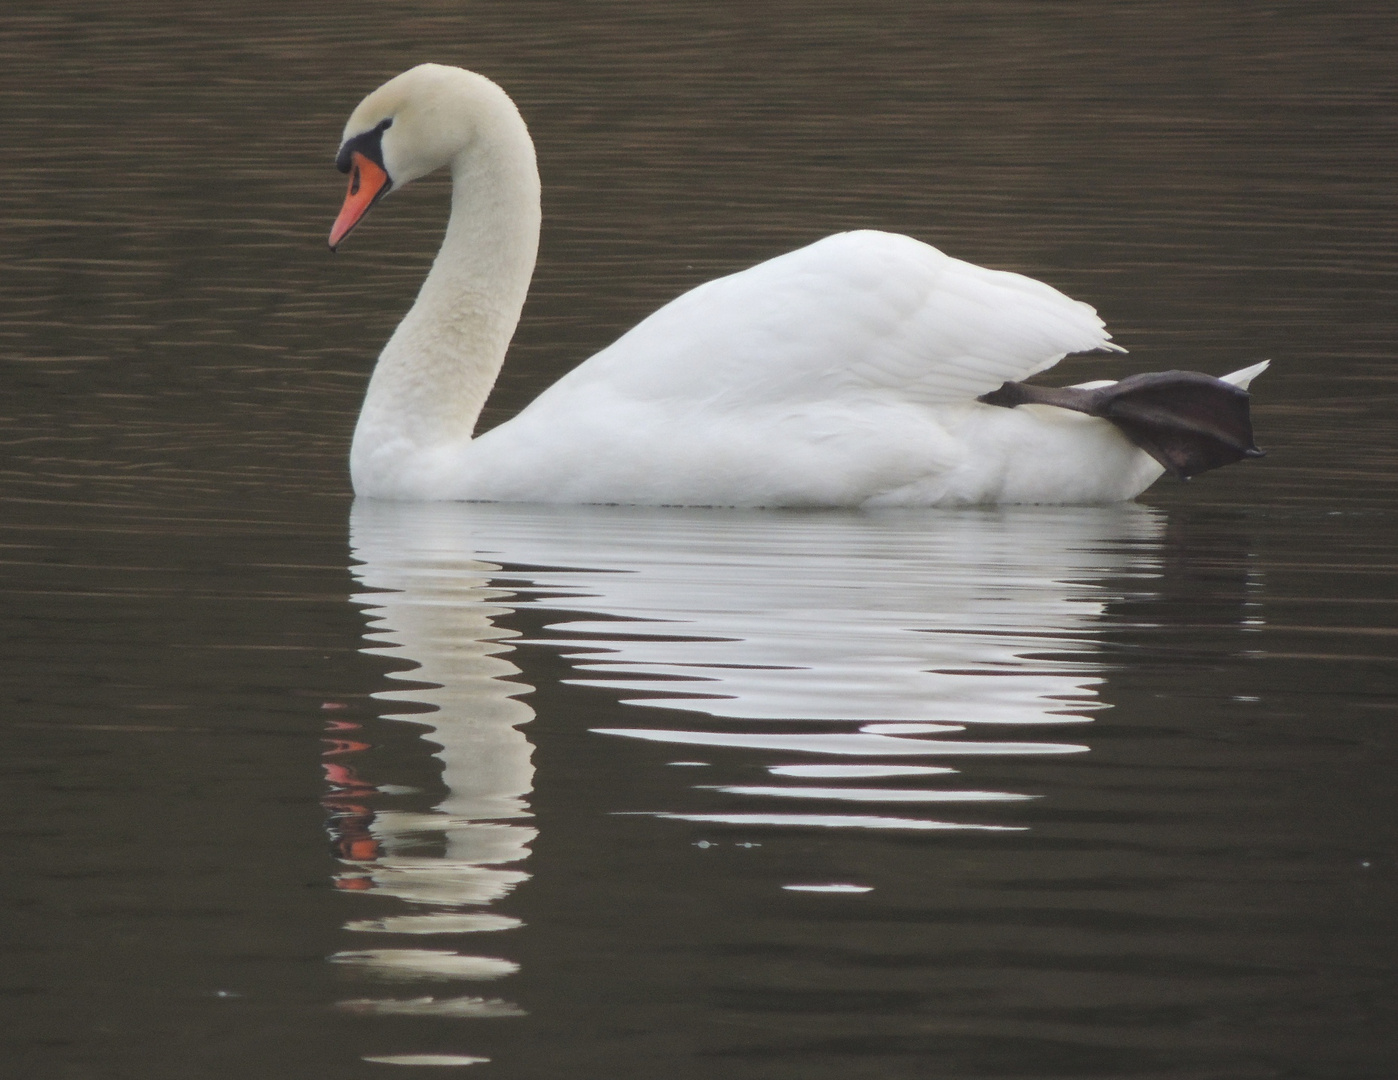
442	620
441	616
438	367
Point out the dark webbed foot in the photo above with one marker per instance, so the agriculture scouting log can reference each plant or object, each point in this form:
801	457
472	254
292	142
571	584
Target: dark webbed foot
1187	421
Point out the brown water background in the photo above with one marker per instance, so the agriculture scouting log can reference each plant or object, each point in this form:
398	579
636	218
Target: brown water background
1209	892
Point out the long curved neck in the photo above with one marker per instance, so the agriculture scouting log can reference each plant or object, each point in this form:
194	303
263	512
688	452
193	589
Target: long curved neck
436	371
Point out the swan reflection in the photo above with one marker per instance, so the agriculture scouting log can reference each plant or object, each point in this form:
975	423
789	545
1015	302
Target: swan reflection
894	636
838	670
437	610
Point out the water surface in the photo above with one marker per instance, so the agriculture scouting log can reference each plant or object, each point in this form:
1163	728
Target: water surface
296	788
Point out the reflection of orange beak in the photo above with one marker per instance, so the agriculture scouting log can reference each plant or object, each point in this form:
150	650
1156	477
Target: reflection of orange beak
368	182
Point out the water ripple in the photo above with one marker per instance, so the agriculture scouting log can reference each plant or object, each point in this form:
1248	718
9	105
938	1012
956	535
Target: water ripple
872	636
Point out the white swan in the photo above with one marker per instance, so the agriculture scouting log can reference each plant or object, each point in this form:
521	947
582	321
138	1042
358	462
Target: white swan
843	374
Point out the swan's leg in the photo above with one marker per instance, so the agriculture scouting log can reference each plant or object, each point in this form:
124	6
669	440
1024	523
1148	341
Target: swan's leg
1187	421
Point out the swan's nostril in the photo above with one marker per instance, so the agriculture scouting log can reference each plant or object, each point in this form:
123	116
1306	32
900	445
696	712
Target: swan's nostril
354	182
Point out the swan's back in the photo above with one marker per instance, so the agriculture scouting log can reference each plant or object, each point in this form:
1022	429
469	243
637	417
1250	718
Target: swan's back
857	312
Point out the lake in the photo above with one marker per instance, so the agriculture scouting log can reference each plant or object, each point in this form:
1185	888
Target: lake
299	787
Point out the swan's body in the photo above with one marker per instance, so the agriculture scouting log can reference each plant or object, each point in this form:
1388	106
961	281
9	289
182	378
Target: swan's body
842	374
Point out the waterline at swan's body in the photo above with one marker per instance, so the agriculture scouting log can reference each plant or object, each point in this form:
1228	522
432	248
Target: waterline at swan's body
842	374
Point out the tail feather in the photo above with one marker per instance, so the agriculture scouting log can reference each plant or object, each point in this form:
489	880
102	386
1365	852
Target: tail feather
1243	377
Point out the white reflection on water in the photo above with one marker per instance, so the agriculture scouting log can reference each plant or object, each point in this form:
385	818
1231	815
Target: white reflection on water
869	794
426	1059
855	772
829	888
436	923
437	610
854	745
872	632
462	1008
891	618
905	635
836	821
416	963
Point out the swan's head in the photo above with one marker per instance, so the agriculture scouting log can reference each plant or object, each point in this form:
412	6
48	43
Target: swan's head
410	126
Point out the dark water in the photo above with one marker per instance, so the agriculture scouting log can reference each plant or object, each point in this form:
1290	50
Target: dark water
292	785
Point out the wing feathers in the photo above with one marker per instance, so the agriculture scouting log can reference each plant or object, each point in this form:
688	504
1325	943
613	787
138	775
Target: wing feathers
855	314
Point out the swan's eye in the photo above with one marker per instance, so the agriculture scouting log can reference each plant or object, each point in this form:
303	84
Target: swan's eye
369	143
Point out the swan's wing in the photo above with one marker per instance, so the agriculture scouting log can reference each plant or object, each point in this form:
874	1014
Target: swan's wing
862	313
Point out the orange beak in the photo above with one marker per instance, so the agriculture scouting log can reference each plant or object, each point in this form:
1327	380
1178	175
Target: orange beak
368	182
